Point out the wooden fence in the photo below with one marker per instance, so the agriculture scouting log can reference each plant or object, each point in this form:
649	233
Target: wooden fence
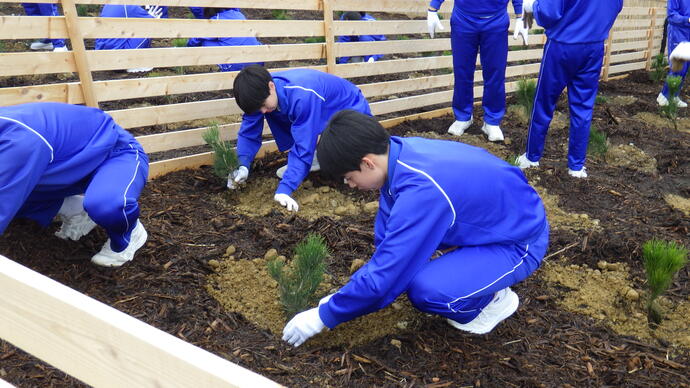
415	74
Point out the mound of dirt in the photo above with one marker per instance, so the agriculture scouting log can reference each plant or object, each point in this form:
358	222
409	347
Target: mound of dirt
679	203
629	156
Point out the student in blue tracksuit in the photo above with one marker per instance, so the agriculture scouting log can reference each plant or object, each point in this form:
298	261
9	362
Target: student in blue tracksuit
297	104
77	163
44	9
478	26
573	55
198	12
678	13
435	195
130	11
225	14
359	16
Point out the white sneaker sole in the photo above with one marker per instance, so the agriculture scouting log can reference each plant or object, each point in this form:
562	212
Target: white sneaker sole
108	261
510	308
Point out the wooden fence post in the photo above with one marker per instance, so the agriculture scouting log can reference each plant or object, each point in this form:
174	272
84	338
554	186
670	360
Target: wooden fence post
607	57
328	35
79	52
650	37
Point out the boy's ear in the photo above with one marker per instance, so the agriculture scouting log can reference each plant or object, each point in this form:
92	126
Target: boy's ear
367	162
271	86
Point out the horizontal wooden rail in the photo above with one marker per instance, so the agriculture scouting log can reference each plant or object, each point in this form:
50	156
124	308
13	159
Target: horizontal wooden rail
100	345
313	5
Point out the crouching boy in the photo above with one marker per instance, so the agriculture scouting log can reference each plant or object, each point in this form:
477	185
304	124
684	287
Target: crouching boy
434	195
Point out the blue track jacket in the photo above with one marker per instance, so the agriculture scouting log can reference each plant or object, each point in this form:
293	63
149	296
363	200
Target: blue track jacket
306	101
678	12
438	194
481	8
577	21
227	14
67	143
360	38
125	11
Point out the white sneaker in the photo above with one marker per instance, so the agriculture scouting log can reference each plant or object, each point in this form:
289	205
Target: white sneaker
60	49
75	227
663	101
493	132
108	258
524	163
578	174
503	305
459	127
139	69
314	167
38	45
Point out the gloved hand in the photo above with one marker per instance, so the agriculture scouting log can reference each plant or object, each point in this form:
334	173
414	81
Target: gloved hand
520	29
303	326
371	60
433	22
527	5
679	56
238	176
287	201
154	10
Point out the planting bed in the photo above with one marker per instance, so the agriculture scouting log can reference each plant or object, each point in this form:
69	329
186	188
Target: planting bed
202	277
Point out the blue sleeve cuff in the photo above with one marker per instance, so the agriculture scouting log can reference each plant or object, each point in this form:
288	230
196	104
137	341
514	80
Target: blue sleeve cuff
284	188
435	4
327	316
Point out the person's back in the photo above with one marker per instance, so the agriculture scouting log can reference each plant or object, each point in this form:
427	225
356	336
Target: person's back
128	11
577	21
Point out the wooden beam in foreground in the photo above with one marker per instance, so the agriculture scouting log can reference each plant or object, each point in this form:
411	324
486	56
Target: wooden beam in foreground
100	345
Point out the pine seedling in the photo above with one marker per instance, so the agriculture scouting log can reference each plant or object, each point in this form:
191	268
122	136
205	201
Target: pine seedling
598	142
298	283
513	160
658	71
662	259
600	99
526	89
179	42
670	110
225	157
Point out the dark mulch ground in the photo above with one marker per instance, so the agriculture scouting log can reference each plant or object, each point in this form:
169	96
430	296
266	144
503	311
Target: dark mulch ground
540	346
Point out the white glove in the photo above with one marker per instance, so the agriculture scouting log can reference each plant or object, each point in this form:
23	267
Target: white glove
371	60
303	326
527	5
520	29
287	201
433	22
325	299
154	10
238	176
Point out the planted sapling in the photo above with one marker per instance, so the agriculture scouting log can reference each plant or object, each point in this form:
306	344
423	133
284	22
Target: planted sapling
658	68
225	157
526	88
662	259
298	283
670	110
598	142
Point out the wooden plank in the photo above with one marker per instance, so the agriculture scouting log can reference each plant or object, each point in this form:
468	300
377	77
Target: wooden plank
164	114
639	45
314	5
392	6
98	27
163	167
13	64
79	52
636	56
328	34
34	27
352	70
389	123
188	138
391	47
650	37
627	67
607	58
100	345
383	27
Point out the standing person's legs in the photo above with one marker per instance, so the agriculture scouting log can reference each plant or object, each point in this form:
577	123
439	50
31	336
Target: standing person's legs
552	80
675	36
582	92
493	54
111	201
461	284
464	41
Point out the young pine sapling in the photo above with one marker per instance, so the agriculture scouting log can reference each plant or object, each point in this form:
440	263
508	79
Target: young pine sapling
225	157
598	142
662	259
298	283
670	110
526	89
658	71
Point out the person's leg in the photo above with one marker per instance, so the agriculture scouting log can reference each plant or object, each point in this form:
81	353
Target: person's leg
464	41
552	80
493	54
112	194
675	36
460	284
582	92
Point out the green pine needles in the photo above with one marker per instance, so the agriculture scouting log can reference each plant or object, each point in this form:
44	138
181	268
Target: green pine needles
598	142
526	89
662	259
225	158
658	71
298	283
670	111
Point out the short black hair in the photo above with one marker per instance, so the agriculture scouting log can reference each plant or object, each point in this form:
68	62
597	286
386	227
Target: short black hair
348	137
352	15
251	88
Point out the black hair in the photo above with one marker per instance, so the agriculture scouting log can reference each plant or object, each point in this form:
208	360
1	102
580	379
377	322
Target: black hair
348	137
351	15
210	12
251	88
